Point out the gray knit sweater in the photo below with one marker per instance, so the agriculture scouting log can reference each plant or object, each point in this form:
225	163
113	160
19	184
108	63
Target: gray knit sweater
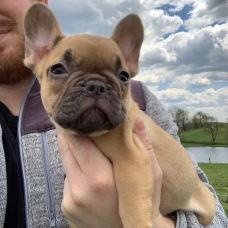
42	170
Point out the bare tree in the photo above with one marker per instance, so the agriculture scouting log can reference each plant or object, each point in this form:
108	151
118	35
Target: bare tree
212	127
180	117
226	126
199	119
172	111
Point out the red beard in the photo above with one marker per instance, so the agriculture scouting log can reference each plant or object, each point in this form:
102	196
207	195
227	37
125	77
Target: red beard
12	69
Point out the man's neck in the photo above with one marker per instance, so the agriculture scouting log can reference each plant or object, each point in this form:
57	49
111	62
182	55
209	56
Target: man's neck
12	95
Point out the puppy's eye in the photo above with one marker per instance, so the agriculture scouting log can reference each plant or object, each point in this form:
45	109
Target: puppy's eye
58	69
123	76
58	72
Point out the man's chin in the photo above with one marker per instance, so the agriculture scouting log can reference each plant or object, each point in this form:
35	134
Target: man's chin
12	69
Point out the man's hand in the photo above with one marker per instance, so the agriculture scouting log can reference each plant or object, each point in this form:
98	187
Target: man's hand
90	198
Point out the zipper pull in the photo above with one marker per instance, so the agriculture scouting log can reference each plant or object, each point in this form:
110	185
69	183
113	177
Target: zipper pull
52	219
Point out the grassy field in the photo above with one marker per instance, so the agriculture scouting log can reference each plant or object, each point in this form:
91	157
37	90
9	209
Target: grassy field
216	173
218	178
198	137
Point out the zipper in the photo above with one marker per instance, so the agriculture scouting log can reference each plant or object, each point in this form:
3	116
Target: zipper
21	154
50	198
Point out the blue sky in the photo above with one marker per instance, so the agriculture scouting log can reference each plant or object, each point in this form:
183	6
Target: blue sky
183	13
184	57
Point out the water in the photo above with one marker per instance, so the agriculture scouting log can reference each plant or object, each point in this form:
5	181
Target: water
215	154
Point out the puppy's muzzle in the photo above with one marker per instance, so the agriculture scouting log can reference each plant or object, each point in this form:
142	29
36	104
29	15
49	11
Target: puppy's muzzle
90	106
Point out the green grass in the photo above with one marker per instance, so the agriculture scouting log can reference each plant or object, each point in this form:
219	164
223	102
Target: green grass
198	137
218	178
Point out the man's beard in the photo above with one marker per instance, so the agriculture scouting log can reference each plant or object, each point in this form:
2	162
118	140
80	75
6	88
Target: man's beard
12	69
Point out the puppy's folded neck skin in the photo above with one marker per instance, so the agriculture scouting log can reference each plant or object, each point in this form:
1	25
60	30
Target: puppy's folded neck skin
84	78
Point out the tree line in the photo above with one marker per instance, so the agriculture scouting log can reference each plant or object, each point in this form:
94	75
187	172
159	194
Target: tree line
209	123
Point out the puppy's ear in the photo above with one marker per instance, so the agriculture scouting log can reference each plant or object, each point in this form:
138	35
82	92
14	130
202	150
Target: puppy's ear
42	32
128	34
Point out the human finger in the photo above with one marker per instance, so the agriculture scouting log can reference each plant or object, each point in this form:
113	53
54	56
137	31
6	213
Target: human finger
140	131
89	158
70	164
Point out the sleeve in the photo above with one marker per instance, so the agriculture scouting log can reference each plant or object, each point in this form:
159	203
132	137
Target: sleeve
161	117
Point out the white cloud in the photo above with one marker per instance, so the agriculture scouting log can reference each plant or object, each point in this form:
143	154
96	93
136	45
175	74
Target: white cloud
193	52
210	100
178	5
79	16
155	54
157	24
148	77
190	81
171	95
206	12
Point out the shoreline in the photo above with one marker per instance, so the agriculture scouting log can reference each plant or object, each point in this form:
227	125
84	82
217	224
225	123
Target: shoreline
185	144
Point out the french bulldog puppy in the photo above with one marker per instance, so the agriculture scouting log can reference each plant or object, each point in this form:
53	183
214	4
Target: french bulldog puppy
85	90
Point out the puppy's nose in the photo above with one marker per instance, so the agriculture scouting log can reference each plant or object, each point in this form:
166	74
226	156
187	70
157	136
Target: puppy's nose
95	88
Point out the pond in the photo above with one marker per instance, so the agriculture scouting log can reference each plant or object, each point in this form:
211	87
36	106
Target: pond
214	154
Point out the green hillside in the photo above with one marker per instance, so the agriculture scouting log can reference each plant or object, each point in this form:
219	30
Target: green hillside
199	137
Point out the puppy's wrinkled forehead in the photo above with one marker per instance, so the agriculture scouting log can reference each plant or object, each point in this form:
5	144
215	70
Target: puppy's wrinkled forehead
89	53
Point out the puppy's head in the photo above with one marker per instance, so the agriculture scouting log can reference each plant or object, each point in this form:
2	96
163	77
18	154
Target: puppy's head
84	78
